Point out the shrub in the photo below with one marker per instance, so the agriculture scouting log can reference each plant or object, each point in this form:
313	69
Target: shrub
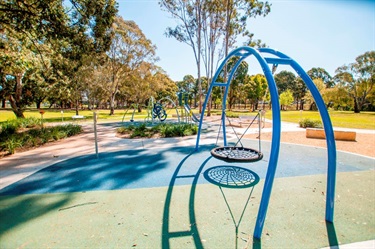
178	130
8	128
11	140
164	129
308	123
12	144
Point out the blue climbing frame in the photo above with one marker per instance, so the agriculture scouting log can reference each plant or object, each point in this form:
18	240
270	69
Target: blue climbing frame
277	58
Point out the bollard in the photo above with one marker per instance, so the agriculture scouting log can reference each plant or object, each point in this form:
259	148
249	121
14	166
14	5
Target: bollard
96	135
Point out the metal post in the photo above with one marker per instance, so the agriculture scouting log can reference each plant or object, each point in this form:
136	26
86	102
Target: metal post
96	135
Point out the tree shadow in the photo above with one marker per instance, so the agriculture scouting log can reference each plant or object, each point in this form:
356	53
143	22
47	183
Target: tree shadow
112	171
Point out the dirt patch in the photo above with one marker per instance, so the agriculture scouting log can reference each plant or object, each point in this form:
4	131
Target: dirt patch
364	144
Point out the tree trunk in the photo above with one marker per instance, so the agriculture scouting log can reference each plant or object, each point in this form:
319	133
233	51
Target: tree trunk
77	102
112	104
356	107
16	109
15	101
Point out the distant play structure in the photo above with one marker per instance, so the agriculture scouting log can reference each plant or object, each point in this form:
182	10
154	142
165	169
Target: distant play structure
239	153
156	111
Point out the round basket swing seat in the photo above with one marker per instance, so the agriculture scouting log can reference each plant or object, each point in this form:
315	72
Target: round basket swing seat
236	154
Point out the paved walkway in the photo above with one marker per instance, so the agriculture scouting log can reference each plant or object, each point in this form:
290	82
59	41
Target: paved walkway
59	194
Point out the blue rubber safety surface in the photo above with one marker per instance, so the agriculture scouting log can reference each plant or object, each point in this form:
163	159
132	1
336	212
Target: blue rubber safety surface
155	167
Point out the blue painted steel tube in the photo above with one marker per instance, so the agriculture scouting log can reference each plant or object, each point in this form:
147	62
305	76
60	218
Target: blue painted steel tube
244	52
275	146
213	83
330	139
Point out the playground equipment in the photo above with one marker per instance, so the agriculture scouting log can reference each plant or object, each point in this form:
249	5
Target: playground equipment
277	58
134	107
155	110
239	153
189	113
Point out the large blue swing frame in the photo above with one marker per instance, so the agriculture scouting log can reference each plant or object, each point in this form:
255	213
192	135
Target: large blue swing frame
278	59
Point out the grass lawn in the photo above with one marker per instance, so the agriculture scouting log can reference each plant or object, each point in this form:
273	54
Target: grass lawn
363	120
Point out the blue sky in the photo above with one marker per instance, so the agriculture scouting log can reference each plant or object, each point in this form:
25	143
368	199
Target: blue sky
315	33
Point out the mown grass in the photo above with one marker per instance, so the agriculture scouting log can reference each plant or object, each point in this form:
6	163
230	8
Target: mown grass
363	120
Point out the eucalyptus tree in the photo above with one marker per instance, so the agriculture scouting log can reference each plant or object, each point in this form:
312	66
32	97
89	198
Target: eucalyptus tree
285	80
18	56
255	87
237	13
128	51
163	85
52	20
308	98
286	99
205	23
237	81
359	77
72	28
321	73
147	81
189	29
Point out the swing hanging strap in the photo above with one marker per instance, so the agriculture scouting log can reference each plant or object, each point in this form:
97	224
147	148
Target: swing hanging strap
239	140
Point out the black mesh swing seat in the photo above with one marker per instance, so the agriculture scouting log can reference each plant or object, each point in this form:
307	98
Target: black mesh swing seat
236	154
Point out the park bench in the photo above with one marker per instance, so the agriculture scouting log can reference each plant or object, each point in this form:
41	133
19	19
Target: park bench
75	117
247	120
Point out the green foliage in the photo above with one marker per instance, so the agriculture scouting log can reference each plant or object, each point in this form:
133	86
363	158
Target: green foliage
11	144
286	98
10	127
309	123
178	130
164	130
13	134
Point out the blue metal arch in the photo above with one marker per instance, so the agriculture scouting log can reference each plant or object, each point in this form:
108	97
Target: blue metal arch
328	129
243	53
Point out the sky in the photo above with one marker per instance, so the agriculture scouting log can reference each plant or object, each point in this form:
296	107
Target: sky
315	33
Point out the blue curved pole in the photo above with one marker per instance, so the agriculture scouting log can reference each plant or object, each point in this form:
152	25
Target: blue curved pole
328	129
244	52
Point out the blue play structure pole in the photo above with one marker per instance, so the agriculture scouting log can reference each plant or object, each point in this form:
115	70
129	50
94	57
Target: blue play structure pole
328	129
242	53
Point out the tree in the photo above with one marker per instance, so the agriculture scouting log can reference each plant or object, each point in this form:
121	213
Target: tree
286	99
285	80
129	49
255	86
54	20
237	81
359	77
71	29
17	57
309	98
321	73
189	30
236	13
